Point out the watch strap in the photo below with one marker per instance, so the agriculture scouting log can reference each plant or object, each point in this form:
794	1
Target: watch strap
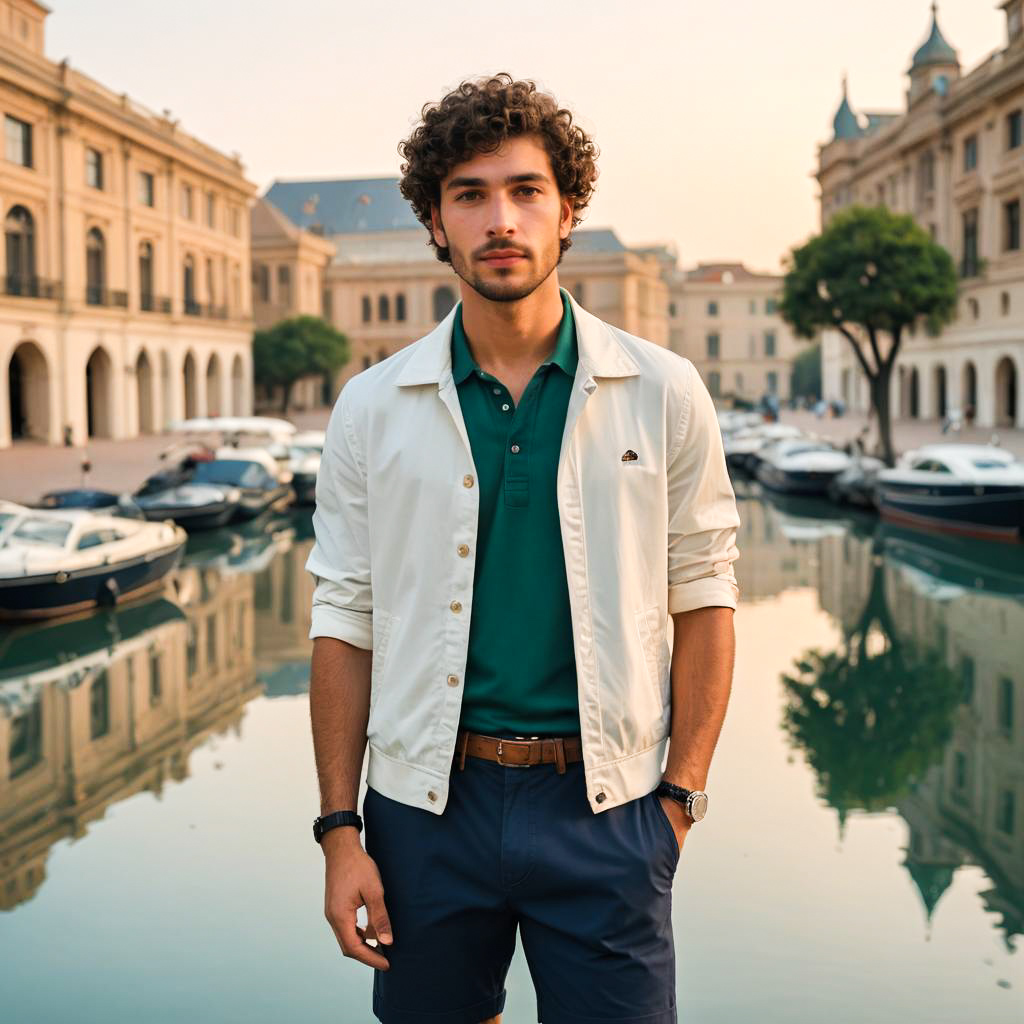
335	819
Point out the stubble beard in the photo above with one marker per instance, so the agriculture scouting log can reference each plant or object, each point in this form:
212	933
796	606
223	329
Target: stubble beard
510	291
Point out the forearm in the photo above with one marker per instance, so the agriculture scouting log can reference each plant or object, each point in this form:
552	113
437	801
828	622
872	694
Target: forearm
703	655
339	709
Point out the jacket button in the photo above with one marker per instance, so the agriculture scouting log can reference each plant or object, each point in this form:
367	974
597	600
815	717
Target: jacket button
600	798
467	480
456	606
515	449
453	680
463	550
431	796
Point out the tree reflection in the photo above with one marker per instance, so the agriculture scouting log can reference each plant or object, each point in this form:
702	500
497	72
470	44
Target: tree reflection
873	715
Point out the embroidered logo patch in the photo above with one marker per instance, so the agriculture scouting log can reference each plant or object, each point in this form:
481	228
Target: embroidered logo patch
629	455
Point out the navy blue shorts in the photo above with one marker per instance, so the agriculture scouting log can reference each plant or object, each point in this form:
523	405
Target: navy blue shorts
591	895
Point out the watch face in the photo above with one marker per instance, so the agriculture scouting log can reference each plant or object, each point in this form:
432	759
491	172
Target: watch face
698	805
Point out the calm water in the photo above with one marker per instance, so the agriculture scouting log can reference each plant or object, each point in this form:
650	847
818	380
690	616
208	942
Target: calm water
863	859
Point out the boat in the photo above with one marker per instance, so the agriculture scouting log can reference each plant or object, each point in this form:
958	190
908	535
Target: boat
856	484
800	466
195	506
741	448
253	474
11	514
54	563
98	501
976	490
305	451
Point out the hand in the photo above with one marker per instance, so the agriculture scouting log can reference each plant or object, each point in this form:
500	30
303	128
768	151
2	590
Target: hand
353	881
677	815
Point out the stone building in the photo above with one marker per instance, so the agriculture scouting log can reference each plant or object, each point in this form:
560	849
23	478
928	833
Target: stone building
384	287
723	317
953	158
125	301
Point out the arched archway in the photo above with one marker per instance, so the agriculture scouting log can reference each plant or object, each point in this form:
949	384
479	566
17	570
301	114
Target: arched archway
914	395
237	387
144	393
189	373
901	392
444	299
20	242
213	386
28	392
969	389
939	388
99	393
166	397
1006	393
95	267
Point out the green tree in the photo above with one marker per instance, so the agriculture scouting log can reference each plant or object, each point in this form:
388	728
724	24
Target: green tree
296	348
873	276
806	375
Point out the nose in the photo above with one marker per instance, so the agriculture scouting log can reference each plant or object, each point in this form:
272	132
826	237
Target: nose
500	220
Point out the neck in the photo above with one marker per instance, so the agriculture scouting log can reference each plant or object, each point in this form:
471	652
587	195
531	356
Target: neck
513	333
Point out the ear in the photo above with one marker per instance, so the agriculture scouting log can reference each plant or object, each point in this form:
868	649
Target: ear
565	218
436	227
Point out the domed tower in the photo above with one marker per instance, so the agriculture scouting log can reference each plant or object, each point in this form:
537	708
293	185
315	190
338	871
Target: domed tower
935	65
845	124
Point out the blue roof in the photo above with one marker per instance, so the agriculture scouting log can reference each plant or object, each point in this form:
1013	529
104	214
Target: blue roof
935	49
845	124
596	240
344	206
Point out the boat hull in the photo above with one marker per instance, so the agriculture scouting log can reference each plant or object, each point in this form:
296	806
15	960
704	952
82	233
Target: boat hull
968	509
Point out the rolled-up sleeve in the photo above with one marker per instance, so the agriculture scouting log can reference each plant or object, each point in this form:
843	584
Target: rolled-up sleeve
340	558
702	514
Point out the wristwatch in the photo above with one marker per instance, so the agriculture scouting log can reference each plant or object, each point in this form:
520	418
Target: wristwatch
325	822
695	801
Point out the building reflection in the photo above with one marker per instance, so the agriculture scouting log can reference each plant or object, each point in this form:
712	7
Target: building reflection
955	608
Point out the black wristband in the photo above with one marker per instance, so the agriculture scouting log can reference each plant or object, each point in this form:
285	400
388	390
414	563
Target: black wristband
335	819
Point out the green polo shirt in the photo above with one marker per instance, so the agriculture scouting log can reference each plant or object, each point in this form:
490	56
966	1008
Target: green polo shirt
521	669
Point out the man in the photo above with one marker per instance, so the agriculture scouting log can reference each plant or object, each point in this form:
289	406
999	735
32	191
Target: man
509	511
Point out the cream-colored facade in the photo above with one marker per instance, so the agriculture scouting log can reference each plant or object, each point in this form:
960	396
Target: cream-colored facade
384	287
954	159
126	286
724	318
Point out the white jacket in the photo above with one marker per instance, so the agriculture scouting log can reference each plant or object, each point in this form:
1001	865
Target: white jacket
397	494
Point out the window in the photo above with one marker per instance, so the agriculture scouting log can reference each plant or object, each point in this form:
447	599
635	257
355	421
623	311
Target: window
1011	225
327	304
712	308
1006	812
99	706
191	651
1004	303
93	168
1006	705
236	288
739	383
671	309
189	286
156	687
367	362
925	173
18	141
147	189
970	153
25	748
578	292
444	301
969	262
383	308
95	267
211	641
713	346
714	383
772	380
211	210
284	285
769	343
211	291
236	222
186	201
770	305
261	281
146	276
1013	129
20	232
367	309
400	307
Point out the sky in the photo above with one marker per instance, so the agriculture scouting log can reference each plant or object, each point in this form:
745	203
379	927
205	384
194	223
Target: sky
708	115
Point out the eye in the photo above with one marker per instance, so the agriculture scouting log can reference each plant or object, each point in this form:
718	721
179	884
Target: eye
470	194
532	190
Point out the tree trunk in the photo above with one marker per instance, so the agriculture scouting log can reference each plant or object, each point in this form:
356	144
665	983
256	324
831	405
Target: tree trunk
286	396
880	401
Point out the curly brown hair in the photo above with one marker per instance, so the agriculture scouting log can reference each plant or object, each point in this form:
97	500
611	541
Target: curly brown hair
478	117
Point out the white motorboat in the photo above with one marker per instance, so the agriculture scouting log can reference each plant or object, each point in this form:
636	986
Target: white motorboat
800	466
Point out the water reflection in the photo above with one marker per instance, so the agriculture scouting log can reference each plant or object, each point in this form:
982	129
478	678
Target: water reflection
915	710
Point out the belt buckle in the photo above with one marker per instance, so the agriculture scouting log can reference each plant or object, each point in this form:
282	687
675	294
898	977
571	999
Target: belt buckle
502	763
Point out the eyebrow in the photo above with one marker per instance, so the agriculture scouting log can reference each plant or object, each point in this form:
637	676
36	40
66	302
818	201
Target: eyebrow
514	179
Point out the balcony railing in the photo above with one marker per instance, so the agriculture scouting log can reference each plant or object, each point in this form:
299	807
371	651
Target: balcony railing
193	308
154	304
95	296
30	287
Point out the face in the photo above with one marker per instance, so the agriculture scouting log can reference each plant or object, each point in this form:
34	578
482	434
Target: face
502	219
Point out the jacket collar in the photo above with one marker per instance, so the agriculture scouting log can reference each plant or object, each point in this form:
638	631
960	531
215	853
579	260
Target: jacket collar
601	354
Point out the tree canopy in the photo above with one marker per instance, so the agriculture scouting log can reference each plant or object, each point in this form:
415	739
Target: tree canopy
296	348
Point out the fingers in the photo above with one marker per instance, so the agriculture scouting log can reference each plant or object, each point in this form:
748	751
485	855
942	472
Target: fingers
377	915
352	940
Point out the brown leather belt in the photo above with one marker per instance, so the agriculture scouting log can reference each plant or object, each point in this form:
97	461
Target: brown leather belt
557	750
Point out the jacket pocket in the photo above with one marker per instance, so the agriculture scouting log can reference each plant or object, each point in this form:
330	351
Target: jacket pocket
383	623
654	644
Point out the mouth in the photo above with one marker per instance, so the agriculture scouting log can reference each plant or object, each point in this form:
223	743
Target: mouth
502	258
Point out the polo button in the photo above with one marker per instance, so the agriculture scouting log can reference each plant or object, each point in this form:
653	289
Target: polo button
497	391
515	449
431	795
600	798
463	550
505	407
467	480
456	606
453	680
